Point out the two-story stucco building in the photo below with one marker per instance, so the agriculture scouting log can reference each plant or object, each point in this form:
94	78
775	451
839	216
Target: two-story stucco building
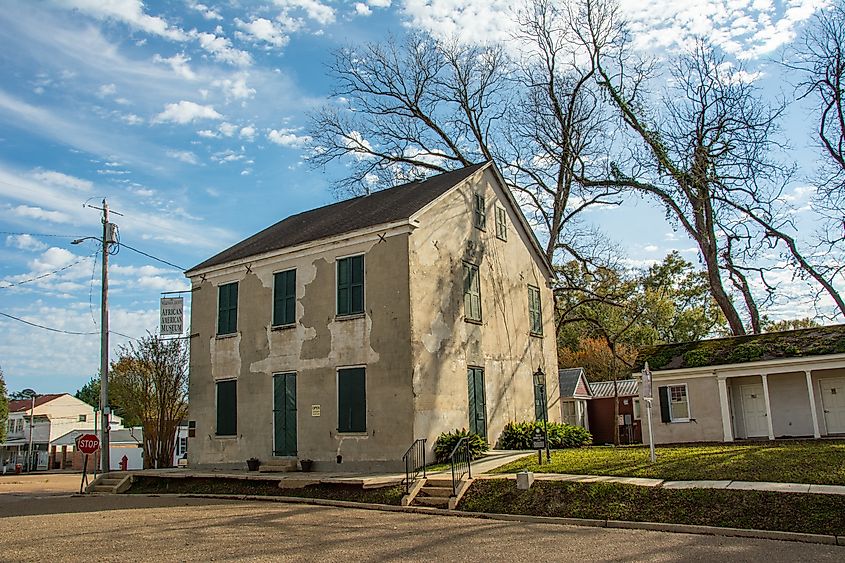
344	333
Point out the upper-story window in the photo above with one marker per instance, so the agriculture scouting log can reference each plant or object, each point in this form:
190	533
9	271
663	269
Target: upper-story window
82	418
472	293
501	223
227	308
350	285
284	298
480	211
535	315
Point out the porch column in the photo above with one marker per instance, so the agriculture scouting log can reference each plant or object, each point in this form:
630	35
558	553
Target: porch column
768	406
725	407
815	417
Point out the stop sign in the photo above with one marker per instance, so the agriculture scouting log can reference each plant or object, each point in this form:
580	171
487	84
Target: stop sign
88	443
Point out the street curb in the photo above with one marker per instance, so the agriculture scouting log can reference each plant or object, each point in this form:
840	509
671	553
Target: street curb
581	522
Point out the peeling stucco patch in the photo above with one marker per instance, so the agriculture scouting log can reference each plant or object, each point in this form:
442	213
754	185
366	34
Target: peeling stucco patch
440	331
227	356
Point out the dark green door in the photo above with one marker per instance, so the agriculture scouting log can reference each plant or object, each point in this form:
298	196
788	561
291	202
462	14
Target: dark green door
477	402
284	414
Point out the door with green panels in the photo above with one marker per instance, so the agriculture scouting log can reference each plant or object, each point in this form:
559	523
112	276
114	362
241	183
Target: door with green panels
477	402
284	414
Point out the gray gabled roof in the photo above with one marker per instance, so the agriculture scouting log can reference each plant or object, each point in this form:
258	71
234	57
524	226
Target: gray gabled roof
568	380
377	208
627	388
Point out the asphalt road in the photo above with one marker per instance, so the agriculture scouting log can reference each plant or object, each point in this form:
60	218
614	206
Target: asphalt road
127	528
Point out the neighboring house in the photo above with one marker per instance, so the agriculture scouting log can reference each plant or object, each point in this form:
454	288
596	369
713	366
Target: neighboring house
773	385
54	415
122	442
603	420
345	333
574	396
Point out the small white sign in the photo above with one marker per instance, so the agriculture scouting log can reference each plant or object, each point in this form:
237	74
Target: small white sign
315	410
171	316
646	390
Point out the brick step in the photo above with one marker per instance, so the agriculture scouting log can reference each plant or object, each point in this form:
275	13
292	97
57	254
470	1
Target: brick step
438	483
432	501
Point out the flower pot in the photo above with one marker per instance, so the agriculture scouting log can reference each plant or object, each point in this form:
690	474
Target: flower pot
253	464
306	464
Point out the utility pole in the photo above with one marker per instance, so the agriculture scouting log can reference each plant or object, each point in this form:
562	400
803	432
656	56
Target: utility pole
108	233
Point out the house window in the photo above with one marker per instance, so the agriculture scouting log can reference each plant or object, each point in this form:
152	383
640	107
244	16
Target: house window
674	403
501	223
472	293
11	426
227	309
350	285
284	298
534	313
227	408
351	400
570	415
183	445
20	425
637	410
480	212
83	417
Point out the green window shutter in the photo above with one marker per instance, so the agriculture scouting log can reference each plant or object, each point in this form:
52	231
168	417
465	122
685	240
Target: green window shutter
351	400
472	293
501	223
227	408
284	298
227	308
665	413
477	402
350	285
480	212
534	312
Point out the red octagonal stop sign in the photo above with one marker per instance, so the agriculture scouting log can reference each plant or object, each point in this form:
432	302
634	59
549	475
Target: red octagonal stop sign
88	443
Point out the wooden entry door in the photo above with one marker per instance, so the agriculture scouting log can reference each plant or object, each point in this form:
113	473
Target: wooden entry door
284	414
754	410
833	403
477	402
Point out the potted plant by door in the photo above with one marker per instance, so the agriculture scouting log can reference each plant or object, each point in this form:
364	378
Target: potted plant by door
253	463
306	464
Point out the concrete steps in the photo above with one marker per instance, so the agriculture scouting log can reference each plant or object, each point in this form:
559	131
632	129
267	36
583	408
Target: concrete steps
279	466
434	492
110	484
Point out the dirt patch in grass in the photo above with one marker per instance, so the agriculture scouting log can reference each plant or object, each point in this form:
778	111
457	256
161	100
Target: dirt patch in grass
196	485
789	512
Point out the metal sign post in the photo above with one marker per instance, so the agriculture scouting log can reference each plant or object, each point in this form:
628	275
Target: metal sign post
647	397
538	442
87	444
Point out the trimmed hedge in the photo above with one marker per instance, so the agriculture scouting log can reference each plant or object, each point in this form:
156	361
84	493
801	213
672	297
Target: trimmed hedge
446	442
517	435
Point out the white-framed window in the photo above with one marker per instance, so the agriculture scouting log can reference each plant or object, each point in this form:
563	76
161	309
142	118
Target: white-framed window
83	418
678	403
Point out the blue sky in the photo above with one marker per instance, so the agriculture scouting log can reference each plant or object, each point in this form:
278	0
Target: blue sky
190	118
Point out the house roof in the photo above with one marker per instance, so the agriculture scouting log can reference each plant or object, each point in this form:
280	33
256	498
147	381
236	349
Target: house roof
26	404
568	380
116	436
627	388
816	341
377	208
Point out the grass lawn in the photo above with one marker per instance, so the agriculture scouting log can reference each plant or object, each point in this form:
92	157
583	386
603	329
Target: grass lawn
201	485
806	461
789	512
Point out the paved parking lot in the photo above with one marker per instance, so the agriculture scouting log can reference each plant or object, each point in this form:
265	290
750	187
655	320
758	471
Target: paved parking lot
128	528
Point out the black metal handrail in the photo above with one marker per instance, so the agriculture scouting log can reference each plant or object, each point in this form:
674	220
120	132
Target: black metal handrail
461	462
414	460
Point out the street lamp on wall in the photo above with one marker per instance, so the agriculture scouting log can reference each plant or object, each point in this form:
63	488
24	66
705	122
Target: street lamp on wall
32	395
540	381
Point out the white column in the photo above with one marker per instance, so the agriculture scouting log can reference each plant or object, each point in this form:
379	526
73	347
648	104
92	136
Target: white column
725	407
768	406
816	433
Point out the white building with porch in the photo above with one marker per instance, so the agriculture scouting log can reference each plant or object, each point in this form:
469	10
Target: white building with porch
788	384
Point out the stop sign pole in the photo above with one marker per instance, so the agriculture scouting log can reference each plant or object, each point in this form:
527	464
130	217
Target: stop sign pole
88	444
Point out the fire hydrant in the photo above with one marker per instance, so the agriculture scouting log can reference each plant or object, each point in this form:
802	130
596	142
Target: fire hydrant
124	463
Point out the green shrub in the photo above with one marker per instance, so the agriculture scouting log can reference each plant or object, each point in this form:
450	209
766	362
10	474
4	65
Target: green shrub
447	441
517	435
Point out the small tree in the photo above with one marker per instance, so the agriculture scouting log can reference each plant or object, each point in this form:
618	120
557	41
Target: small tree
151	379
4	407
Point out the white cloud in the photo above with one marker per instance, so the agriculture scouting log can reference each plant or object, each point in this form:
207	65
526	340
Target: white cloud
186	112
132	119
184	156
25	242
62	180
106	90
207	133
650	248
228	129
247	132
130	12
316	10
179	64
287	138
39	213
358	144
207	13
362	9
221	49
236	88
264	30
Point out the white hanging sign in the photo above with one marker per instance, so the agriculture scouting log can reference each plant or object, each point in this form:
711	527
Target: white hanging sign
171	316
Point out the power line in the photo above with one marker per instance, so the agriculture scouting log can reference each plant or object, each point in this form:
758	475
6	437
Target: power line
151	256
42	276
39	235
47	327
